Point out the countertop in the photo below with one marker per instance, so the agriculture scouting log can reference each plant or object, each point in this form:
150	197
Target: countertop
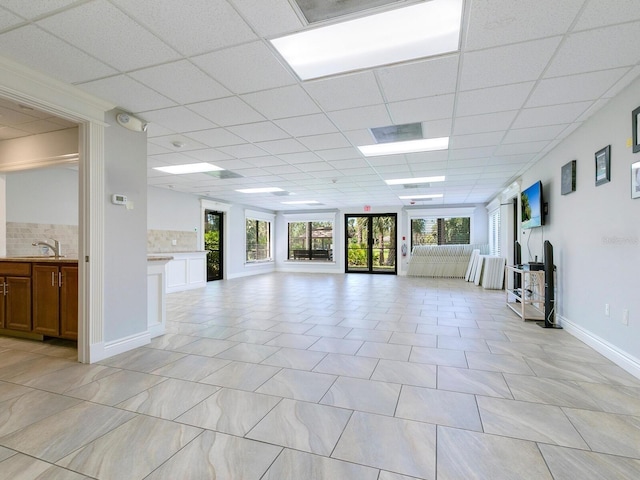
40	259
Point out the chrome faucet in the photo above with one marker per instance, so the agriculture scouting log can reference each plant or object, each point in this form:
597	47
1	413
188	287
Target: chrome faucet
55	247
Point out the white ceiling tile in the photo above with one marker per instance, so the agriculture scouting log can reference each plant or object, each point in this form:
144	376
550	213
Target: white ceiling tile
243	151
591	109
298	158
8	19
624	82
42	51
307	125
277	147
422	109
508	64
510	159
359	137
349	153
476	140
267	161
597	50
425	78
127	93
168	140
325	142
258	132
343	164
282	102
345	91
227	111
602	12
246	68
32	9
102	30
437	128
521	148
179	119
574	88
553	115
532	134
191	27
466	153
483	123
155	130
363	117
269	17
181	81
426	157
216	137
153	149
495	99
499	22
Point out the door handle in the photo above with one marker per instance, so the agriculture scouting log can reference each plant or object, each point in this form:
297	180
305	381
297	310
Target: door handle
53	279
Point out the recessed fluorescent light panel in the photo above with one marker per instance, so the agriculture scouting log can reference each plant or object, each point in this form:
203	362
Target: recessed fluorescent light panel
189	168
302	202
260	190
419	197
402	181
412	146
417	31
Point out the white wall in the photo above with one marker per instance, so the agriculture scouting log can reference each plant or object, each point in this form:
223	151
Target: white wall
3	216
125	276
595	232
47	195
169	210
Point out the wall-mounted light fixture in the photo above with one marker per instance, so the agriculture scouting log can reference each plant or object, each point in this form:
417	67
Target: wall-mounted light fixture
131	122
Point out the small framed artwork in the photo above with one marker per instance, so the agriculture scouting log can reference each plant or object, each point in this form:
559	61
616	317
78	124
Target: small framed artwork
635	180
603	165
568	183
635	124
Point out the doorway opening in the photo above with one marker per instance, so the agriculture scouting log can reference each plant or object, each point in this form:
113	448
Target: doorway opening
371	243
213	241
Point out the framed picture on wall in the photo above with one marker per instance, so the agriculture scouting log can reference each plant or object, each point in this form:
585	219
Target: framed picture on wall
635	124
568	182
603	165
635	180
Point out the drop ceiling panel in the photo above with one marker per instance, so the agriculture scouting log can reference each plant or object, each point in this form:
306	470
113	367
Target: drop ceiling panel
227	111
495	99
243	151
422	109
476	140
348	154
547	132
258	132
509	64
191	27
363	117
553	115
324	142
181	81
345	91
287	145
269	17
108	34
500	22
127	93
261	162
574	88
246	68
168	142
595	14
298	158
307	125
420	79
178	119
484	123
42	51
597	49
282	102
520	148
216	137
8	19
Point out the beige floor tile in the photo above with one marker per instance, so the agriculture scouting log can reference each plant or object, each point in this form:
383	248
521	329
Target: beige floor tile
115	388
466	344
142	359
291	327
191	367
363	395
118	454
473	381
10	390
294	340
6	453
347	365
564	393
384	350
253	336
216	455
230	411
295	465
298	385
614	399
294	358
392	444
240	375
209	347
248	352
438	356
25	371
439	407
498	363
302	426
336	345
369	335
22	467
570	464
406	373
171	341
463	454
71	377
414	339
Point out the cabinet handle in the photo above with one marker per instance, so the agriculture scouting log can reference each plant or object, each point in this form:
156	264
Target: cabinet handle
60	279
53	279
6	289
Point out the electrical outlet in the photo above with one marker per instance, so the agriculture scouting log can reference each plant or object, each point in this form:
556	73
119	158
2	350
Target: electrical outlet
625	317
174	242
606	310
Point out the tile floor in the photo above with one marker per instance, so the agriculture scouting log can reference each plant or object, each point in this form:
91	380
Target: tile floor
301	377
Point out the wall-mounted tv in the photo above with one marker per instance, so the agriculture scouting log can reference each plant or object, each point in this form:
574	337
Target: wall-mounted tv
532	206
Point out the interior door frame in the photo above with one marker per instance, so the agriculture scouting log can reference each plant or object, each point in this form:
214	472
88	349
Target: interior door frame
221	218
370	269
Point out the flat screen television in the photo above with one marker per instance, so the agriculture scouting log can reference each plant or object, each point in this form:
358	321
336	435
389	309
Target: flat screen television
532	206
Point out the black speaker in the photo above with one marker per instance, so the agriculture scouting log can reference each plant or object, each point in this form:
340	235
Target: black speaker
517	261
549	287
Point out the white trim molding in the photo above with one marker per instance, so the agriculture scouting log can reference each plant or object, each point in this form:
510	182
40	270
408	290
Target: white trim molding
100	351
617	356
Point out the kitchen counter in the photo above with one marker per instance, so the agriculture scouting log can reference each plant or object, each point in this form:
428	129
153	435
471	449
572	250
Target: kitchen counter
40	259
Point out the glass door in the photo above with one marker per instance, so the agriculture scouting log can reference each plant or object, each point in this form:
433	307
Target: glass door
213	244
370	243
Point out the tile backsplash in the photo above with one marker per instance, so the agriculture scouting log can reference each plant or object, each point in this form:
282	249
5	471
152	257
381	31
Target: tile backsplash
20	236
160	241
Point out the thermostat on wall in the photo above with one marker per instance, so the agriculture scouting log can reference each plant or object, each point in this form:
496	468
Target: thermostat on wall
118	199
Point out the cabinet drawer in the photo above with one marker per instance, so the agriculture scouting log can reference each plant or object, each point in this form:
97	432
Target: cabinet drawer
10	268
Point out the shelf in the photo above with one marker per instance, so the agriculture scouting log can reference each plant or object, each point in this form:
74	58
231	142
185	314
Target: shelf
529	306
530	312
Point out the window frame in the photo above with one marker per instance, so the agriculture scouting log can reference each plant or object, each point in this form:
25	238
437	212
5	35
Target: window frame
269	219
443	213
329	217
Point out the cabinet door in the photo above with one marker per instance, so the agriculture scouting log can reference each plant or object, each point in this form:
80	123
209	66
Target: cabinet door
46	300
2	302
69	303
18	303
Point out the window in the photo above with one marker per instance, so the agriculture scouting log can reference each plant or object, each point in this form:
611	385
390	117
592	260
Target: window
310	241
494	232
440	231
258	240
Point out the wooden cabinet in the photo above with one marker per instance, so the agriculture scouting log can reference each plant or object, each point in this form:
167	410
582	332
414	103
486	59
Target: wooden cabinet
55	300
15	306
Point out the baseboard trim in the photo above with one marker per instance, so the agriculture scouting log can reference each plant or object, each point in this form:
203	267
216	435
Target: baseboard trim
101	351
617	356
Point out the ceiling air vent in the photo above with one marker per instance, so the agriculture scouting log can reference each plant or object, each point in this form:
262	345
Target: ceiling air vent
319	10
284	193
223	174
416	185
